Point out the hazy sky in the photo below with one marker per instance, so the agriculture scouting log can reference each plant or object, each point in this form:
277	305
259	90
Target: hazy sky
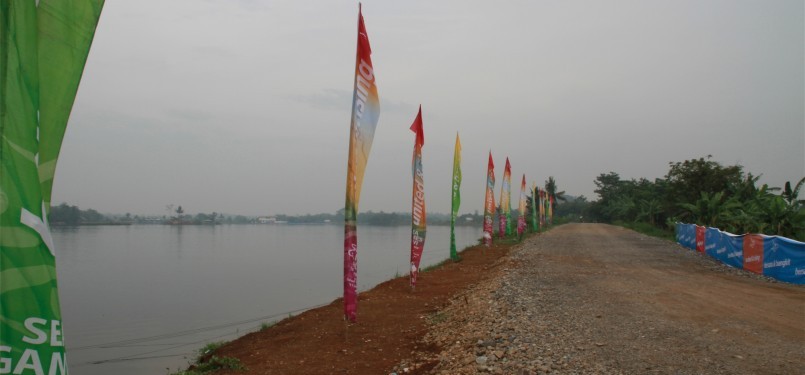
243	107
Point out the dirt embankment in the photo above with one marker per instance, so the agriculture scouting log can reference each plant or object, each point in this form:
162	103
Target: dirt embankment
392	320
583	298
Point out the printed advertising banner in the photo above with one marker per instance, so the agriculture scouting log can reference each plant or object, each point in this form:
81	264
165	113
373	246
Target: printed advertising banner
778	257
734	249
534	221
365	113
521	208
713	242
489	201
43	50
785	260
722	246
753	253
700	231
505	201
456	202
681	234
418	211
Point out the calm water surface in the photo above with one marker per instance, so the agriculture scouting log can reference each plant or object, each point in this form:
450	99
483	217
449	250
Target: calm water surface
142	299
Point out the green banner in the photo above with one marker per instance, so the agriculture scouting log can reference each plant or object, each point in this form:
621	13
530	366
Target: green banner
43	48
66	29
534	220
456	198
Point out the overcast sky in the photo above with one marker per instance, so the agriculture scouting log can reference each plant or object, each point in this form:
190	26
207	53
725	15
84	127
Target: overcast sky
243	107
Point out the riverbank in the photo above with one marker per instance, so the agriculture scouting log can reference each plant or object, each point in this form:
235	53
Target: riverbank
392	319
582	298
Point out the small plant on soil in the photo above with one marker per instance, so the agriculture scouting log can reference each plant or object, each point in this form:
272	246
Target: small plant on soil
206	362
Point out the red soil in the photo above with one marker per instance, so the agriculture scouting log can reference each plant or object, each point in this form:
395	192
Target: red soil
391	320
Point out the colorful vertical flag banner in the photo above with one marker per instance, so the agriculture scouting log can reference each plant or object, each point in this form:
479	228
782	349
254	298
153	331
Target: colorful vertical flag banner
505	201
456	189
534	219
521	219
550	210
365	113
489	201
43	50
418	211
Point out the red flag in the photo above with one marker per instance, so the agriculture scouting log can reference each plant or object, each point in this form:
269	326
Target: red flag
491	166
416	127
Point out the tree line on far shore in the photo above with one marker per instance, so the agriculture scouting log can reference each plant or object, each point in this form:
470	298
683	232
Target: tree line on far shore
699	191
68	215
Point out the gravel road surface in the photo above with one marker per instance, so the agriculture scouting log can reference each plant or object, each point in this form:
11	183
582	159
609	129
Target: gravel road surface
600	299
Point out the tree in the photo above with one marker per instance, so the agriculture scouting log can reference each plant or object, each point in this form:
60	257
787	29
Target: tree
574	209
710	209
649	209
607	185
791	196
705	192
65	214
550	187
687	180
179	213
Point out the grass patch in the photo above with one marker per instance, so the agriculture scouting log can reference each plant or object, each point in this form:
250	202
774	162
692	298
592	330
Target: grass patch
648	229
435	266
213	364
266	325
206	362
210	348
510	240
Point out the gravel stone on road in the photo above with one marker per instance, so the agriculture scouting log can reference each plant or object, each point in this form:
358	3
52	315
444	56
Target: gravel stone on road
600	299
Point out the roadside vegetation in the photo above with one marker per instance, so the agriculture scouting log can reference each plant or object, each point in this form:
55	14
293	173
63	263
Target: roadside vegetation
207	363
703	192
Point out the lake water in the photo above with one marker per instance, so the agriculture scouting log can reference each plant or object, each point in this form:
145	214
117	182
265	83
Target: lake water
142	299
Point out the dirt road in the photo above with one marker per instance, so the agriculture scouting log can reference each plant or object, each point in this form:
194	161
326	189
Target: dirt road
594	298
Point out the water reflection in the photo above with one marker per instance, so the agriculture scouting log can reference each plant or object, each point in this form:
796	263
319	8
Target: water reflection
139	299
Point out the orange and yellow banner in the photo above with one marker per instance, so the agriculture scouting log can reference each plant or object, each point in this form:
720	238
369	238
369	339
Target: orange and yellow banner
365	113
505	202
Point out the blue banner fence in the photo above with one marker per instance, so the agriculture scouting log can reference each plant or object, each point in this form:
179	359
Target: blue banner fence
774	256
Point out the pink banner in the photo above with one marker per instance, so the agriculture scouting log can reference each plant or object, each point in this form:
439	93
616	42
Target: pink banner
489	201
418	212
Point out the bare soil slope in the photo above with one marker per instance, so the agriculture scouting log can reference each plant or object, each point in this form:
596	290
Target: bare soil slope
391	320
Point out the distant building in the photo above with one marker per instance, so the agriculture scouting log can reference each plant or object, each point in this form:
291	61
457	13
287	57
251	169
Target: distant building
270	220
